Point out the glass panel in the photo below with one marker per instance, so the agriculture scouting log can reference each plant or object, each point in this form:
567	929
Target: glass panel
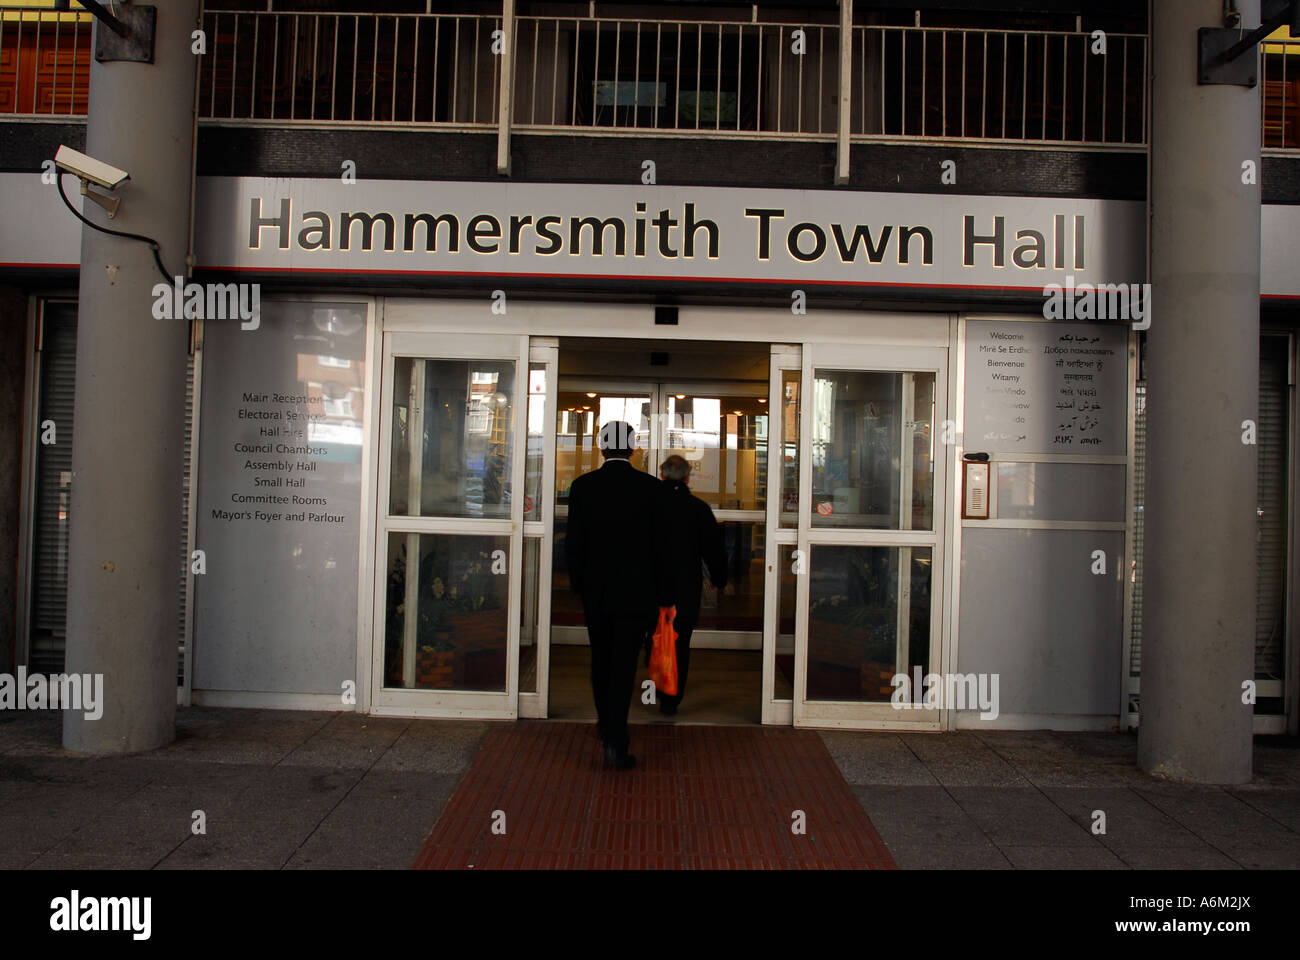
787	584
725	440
566	606
790	448
446	628
529	615
873	450
456	415
1061	491
536	441
854	621
739	605
287	610
579	417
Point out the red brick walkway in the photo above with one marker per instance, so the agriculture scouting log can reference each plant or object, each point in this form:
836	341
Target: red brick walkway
701	798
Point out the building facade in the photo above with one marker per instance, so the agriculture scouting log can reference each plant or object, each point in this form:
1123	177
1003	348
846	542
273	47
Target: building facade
879	271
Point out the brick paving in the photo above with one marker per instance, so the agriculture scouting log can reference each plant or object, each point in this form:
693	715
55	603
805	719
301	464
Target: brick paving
701	797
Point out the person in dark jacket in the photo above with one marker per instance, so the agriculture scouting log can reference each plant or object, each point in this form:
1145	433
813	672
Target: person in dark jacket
614	562
692	540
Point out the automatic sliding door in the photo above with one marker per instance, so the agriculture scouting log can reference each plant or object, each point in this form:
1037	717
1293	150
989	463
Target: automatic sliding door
582	408
721	429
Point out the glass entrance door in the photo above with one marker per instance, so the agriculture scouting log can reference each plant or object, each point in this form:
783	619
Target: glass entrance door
582	408
870	504
450	547
721	430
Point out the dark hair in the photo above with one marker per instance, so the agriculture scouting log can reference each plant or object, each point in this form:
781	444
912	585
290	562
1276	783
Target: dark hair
675	468
617	439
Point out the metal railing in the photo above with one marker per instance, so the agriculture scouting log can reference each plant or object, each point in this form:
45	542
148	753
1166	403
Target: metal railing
1037	86
44	62
1280	96
676	76
389	68
610	75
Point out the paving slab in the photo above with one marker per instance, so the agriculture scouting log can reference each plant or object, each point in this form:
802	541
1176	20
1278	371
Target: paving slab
1203	857
1019	815
1281	805
865	758
914	816
940	856
1096	857
1130	819
268	843
963	759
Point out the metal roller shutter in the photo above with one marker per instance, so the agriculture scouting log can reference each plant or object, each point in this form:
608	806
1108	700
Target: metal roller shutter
1274	428
1273	432
57	386
47	632
1139	498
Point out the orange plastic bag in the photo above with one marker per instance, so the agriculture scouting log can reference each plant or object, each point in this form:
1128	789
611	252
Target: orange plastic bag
663	655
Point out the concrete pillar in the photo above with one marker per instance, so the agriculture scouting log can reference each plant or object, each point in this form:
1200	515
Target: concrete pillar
124	546
1198	632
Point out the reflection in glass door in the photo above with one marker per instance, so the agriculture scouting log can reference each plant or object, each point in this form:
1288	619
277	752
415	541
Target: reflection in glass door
582	408
721	429
452	459
870	510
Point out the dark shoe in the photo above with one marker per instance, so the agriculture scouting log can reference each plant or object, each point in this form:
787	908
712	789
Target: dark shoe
667	707
619	759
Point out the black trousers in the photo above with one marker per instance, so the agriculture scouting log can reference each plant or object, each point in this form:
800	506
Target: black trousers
616	640
685	626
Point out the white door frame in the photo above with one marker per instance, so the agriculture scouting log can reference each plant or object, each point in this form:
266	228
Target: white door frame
449	703
854	714
783	357
543	351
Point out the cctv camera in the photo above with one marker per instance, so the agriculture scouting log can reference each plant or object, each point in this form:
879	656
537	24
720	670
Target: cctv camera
88	168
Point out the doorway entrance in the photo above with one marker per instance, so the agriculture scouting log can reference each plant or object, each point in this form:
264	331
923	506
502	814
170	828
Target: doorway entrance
719	424
820	460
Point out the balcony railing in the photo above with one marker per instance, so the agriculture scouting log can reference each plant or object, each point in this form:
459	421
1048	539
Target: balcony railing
44	62
1280	96
1027	86
678	77
350	68
629	76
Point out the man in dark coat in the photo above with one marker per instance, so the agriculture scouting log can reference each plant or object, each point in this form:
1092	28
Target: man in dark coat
614	561
692	540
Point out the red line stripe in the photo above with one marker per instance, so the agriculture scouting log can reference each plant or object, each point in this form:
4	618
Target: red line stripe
604	276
